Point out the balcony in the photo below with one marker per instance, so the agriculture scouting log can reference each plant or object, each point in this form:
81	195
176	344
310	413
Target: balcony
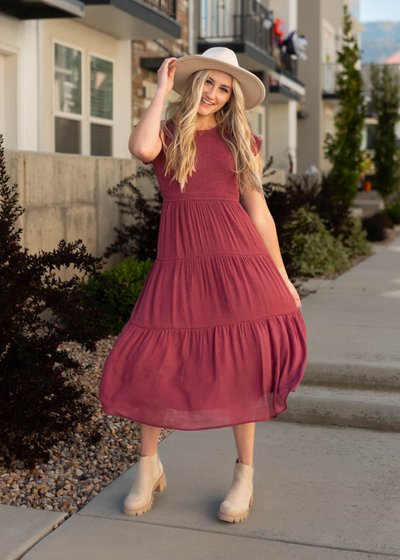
133	19
42	9
329	80
245	27
284	85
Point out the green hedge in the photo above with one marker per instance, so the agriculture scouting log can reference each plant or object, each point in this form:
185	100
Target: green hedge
118	290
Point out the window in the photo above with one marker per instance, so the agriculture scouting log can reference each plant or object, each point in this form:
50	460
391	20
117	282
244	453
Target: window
76	131
101	106
68	99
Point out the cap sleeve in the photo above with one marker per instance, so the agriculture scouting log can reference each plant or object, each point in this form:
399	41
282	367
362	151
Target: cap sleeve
256	143
153	160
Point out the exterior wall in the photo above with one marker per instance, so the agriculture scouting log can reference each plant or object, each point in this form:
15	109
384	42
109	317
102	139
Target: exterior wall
18	52
322	23
278	134
292	135
309	134
287	10
282	117
147	79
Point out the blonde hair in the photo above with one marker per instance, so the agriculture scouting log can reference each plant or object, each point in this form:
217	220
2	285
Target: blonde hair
233	128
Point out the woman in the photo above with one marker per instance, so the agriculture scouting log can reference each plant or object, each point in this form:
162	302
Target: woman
216	337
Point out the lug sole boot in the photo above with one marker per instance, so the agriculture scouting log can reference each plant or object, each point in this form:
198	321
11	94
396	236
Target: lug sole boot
150	478
239	499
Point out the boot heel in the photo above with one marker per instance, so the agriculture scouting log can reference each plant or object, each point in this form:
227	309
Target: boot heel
162	483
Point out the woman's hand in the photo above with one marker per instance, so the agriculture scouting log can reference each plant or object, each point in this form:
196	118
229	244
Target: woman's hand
293	291
166	76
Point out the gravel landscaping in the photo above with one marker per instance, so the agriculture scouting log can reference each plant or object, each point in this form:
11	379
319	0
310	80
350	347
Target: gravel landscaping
77	471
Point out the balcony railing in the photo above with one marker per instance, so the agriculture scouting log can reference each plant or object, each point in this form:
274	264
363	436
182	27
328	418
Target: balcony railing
168	7
246	20
288	64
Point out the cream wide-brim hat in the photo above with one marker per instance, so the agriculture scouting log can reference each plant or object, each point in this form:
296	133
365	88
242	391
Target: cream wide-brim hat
219	58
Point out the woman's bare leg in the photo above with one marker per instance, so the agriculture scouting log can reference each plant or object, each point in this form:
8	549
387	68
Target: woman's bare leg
244	437
149	437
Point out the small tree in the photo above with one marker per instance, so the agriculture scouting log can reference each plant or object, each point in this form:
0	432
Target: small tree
344	149
385	101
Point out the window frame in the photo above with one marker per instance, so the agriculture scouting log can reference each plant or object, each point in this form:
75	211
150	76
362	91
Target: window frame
62	114
99	120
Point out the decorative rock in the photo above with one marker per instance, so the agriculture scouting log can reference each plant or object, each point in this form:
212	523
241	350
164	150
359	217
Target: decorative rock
77	470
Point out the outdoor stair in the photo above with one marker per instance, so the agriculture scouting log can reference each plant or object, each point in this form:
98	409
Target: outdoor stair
357	396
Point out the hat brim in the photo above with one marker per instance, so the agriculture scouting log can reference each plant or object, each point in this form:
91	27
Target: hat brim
252	87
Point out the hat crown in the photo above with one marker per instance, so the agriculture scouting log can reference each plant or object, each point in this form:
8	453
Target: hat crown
222	54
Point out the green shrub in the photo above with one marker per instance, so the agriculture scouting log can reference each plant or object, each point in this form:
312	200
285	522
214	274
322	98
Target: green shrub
393	211
313	249
119	290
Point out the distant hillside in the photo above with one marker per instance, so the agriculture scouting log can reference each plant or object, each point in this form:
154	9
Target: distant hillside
379	40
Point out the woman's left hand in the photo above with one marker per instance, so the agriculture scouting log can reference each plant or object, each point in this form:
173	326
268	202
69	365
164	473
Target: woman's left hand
293	291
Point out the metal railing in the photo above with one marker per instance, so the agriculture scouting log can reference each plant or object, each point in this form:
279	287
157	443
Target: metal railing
288	64
168	7
245	20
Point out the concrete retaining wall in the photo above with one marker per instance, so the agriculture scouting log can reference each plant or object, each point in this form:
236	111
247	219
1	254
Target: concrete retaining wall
65	197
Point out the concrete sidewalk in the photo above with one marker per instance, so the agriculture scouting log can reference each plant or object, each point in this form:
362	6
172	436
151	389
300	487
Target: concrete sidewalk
321	492
352	377
353	322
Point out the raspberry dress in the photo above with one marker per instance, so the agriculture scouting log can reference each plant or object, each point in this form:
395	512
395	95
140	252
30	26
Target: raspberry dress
215	338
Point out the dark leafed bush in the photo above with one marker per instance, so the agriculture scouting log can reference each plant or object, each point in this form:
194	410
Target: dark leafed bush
295	195
39	402
285	201
376	225
140	238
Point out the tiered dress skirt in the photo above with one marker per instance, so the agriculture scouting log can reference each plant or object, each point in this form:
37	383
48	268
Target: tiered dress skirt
215	338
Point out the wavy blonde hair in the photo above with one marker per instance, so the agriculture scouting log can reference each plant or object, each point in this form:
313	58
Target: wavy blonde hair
233	128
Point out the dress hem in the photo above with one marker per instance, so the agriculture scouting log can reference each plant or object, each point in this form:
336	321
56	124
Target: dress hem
199	429
281	396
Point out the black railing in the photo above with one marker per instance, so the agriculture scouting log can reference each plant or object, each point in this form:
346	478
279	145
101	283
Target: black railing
288	64
168	7
247	20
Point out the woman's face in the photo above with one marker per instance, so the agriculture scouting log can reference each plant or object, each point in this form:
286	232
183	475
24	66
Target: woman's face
217	90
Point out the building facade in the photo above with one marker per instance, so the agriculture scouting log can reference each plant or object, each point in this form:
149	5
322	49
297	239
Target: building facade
76	76
322	23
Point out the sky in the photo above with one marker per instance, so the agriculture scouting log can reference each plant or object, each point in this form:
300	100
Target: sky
379	10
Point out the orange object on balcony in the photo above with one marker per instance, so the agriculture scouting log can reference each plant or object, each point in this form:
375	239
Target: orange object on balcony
279	27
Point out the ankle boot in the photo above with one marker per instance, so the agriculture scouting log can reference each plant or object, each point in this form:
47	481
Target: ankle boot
150	478
236	505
